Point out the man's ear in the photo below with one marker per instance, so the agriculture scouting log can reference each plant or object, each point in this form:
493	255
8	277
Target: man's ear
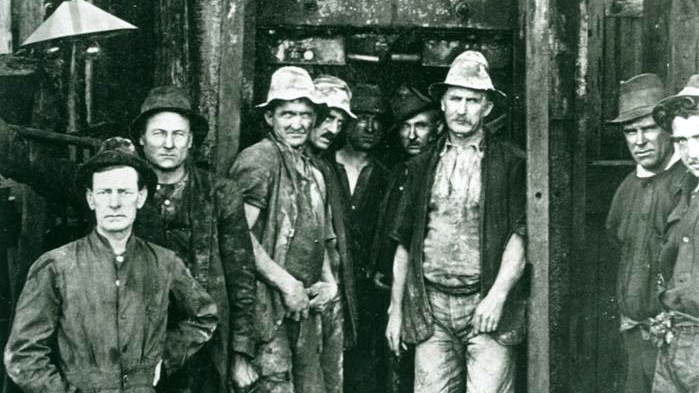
140	140
269	116
489	107
142	196
90	199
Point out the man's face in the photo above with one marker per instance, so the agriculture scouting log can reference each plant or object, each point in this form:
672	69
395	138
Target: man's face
115	198
292	121
649	145
416	132
685	134
465	110
166	140
366	132
324	135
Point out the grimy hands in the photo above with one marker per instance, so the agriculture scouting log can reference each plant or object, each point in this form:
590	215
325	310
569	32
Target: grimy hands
296	301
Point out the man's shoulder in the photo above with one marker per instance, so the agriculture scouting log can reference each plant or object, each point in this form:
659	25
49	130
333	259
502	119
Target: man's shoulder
59	258
263	154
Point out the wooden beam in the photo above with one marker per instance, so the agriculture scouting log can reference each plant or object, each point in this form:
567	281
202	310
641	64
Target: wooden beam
5	26
172	55
236	76
27	15
537	35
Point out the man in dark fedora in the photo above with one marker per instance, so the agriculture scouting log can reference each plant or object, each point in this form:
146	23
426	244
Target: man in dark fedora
104	298
461	241
676	329
290	220
636	222
192	212
416	123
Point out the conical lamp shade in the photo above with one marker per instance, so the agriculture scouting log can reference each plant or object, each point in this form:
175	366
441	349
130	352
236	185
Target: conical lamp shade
76	17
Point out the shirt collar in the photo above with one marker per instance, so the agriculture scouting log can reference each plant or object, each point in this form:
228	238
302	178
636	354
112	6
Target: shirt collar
102	244
643	173
475	141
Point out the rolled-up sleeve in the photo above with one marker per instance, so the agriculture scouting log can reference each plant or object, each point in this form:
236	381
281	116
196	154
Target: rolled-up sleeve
186	337
28	352
251	172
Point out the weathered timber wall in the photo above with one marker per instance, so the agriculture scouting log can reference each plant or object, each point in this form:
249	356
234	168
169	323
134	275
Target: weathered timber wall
477	14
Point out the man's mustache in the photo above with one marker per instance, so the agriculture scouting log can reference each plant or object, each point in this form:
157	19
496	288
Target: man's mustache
329	136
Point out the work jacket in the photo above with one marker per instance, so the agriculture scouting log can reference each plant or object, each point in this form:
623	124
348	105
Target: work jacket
503	208
221	257
91	321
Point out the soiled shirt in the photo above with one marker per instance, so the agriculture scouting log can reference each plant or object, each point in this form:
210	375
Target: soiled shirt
361	210
452	243
636	222
106	316
682	294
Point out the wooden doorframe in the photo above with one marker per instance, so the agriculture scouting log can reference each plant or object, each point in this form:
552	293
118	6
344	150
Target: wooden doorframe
536	14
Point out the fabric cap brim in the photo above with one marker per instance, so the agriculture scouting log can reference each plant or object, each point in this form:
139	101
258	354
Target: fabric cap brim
633	114
436	90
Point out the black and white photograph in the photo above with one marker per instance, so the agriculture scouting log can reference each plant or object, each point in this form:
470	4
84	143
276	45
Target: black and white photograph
349	196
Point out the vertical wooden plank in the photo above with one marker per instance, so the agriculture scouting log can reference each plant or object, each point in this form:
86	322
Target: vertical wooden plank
656	48
583	337
683	37
630	36
236	76
594	76
172	45
27	15
537	85
5	26
207	24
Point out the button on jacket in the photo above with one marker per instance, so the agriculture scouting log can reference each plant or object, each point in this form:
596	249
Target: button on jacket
87	322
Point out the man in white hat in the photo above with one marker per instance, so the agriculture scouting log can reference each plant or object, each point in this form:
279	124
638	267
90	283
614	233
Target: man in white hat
676	330
291	225
339	320
636	222
461	236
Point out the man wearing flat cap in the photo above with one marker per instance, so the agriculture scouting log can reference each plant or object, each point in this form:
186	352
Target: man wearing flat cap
676	329
339	320
417	123
192	212
93	315
456	291
290	220
636	222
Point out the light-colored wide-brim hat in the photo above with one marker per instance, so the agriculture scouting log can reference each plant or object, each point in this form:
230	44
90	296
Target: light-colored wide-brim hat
291	83
638	96
688	97
335	93
469	70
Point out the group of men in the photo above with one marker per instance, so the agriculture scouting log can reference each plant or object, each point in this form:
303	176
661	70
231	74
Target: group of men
653	219
311	269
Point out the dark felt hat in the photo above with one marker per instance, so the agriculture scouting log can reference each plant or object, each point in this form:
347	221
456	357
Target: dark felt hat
408	102
170	99
687	98
638	96
115	151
